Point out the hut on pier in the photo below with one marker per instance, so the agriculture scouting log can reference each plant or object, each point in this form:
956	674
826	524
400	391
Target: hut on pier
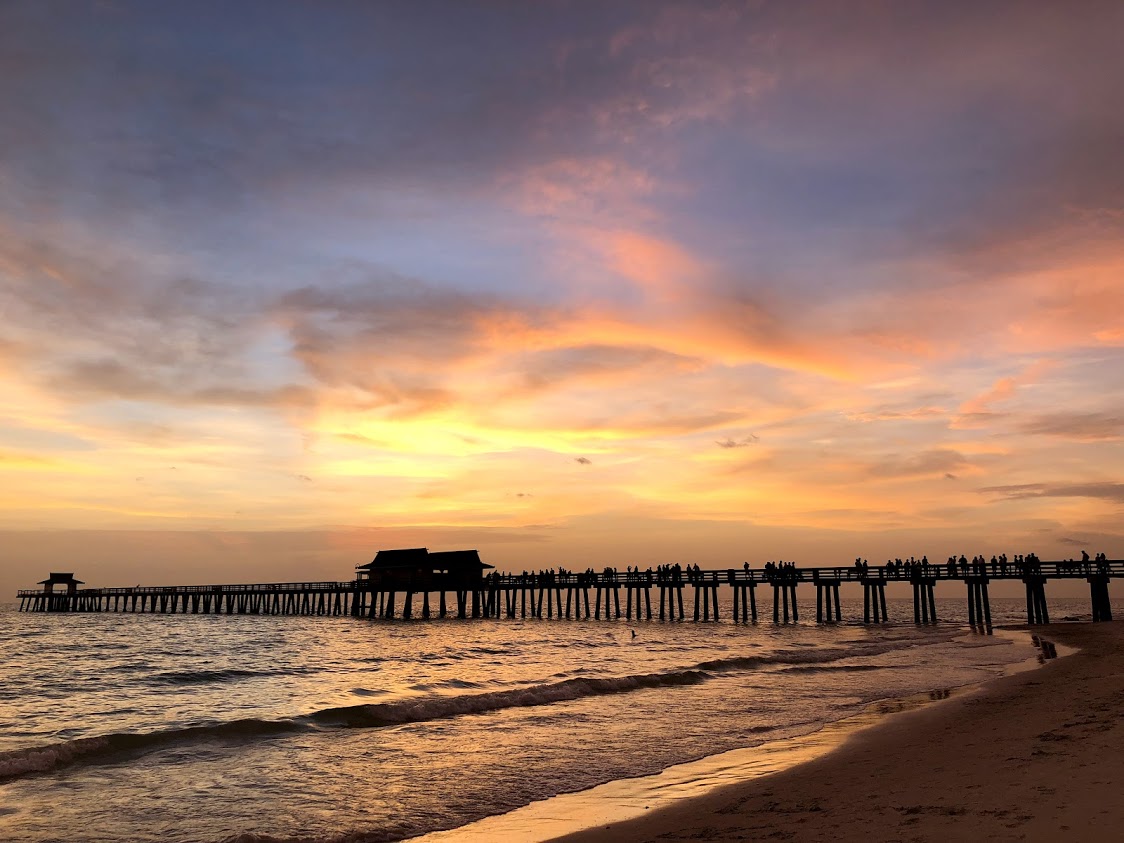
60	579
416	569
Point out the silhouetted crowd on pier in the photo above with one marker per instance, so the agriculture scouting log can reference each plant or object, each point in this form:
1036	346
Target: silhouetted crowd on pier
780	572
660	575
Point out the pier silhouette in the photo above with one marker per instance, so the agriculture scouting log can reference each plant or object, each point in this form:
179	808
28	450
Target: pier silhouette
564	594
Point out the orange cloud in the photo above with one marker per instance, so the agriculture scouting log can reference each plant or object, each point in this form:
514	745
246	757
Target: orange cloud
661	268
1005	388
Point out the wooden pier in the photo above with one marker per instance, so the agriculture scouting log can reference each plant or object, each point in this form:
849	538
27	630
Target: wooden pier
455	582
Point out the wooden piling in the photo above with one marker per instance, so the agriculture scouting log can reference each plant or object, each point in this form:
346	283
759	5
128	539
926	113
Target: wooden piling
1098	592
1036	611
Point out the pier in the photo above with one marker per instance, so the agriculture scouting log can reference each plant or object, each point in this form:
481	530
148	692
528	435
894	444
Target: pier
453	583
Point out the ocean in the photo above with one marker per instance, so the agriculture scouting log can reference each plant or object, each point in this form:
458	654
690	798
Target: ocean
247	728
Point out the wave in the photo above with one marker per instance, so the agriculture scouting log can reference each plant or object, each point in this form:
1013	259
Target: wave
48	757
42	759
797	658
438	708
201	677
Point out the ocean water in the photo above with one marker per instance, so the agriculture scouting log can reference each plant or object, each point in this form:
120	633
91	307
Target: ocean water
247	728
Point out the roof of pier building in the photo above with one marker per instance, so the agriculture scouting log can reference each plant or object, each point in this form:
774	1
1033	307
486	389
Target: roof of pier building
60	579
457	560
407	557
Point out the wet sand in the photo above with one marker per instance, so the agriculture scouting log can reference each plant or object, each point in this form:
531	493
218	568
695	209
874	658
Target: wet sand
1034	756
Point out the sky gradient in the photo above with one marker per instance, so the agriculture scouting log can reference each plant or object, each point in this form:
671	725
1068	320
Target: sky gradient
583	283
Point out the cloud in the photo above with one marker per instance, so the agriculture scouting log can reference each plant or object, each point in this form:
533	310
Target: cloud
583	460
1005	388
1113	492
581	190
661	268
105	378
91	324
1079	427
934	461
887	414
596	365
1075	542
738	443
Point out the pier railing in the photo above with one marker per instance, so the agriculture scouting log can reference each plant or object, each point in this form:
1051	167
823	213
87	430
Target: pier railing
201	589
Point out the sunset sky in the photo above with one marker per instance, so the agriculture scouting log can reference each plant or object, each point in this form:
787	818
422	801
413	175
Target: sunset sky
587	283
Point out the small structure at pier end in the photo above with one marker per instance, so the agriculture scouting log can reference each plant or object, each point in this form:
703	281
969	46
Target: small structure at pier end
51	601
60	579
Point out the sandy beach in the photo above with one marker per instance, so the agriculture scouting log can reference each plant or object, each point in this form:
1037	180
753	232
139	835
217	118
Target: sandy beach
1038	755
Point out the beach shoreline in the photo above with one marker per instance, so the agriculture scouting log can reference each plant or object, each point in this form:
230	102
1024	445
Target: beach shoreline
1033	755
620	801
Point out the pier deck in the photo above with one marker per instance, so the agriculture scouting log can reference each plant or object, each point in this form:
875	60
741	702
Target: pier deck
596	595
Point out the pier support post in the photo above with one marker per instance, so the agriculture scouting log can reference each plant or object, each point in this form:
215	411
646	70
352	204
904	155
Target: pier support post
1098	591
1036	611
924	603
979	604
784	594
827	601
